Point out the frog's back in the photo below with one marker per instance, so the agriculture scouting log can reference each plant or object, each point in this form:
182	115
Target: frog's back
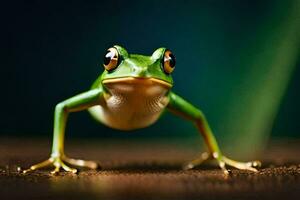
131	103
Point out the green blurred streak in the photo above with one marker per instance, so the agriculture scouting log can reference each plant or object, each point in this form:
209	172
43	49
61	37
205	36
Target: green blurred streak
256	101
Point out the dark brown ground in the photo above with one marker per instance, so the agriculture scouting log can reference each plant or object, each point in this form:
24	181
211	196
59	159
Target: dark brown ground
145	170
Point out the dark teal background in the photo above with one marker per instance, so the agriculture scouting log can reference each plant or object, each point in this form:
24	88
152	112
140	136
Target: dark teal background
53	50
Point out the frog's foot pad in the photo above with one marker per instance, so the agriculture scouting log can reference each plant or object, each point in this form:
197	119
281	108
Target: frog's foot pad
222	162
59	163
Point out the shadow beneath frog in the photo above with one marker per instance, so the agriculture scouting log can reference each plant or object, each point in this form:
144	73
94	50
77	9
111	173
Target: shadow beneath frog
152	167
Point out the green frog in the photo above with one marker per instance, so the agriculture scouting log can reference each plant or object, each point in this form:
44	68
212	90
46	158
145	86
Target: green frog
132	93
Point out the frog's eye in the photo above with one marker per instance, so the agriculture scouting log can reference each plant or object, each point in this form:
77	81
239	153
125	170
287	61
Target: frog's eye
168	62
111	59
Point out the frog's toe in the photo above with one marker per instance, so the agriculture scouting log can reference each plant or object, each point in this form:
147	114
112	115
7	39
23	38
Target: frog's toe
59	164
256	164
40	165
251	166
82	163
188	166
55	171
68	169
198	161
222	165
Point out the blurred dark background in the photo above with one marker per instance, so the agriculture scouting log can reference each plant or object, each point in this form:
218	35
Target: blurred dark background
237	60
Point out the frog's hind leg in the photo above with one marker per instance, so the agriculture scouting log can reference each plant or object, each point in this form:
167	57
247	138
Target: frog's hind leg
57	158
181	107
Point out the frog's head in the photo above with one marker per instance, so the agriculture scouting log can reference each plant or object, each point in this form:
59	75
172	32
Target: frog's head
123	67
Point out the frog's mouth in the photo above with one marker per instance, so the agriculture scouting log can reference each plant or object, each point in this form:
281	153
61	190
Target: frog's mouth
138	80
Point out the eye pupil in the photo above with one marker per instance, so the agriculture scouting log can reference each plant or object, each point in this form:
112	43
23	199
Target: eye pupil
172	60
107	58
111	59
169	62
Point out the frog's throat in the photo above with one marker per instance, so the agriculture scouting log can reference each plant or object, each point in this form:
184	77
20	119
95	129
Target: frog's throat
138	80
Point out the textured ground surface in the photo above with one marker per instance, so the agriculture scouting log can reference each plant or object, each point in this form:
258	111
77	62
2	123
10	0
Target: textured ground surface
144	171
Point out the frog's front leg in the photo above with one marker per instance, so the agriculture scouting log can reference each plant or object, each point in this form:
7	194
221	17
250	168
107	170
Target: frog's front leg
58	159
183	108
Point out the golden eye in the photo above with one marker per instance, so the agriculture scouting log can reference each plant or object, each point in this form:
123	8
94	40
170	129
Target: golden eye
111	59
169	62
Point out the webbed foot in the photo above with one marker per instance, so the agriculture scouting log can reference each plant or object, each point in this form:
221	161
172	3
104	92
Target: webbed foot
222	162
60	163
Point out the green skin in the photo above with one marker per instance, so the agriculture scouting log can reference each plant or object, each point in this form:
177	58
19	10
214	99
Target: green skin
139	67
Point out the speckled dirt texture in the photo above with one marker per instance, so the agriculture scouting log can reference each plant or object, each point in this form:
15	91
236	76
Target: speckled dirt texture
144	170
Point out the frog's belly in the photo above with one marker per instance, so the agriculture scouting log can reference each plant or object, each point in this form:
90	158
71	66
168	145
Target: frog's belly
131	106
